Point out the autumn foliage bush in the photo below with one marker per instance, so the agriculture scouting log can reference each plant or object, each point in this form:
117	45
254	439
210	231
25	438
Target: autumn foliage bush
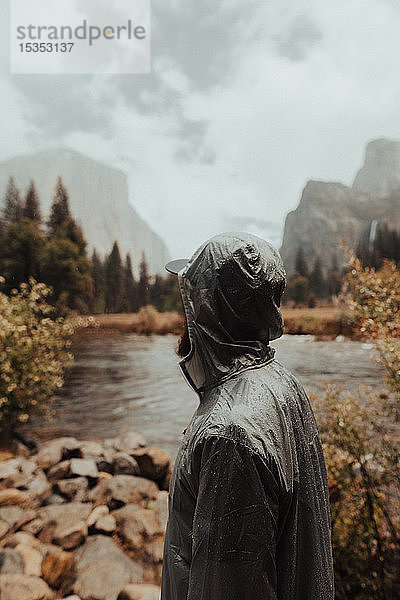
33	353
360	435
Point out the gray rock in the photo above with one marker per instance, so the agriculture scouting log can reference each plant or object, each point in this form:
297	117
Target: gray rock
64	524
39	487
161	506
137	525
85	467
91	449
24	587
123	489
74	489
11	514
127	442
32	559
106	525
140	591
11	561
153	462
123	464
54	499
103	569
16	472
96	514
59	470
54	451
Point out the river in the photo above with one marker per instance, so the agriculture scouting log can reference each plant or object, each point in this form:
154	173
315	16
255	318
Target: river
122	381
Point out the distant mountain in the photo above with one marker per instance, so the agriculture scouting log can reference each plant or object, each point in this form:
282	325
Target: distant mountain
330	212
99	201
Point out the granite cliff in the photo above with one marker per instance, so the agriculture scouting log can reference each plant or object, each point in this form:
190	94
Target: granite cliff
331	212
99	201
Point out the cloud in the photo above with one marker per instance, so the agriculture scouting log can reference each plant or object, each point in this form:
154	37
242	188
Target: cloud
302	35
245	102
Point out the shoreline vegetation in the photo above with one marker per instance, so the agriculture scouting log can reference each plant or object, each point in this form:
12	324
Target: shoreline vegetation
325	322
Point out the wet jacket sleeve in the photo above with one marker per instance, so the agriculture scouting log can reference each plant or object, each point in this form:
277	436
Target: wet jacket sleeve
234	525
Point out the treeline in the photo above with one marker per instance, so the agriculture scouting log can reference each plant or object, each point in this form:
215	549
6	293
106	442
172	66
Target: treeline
55	252
386	245
307	285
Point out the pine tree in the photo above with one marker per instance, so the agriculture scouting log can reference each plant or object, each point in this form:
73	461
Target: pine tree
334	282
23	253
59	212
99	283
317	281
144	282
31	209
12	203
301	266
68	269
114	281
130	300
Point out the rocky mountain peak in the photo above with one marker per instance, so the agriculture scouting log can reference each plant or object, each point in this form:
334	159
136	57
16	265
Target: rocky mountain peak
380	174
99	200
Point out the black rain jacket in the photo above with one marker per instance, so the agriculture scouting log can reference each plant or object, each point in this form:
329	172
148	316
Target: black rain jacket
249	511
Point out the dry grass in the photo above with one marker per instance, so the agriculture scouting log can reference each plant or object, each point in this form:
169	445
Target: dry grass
147	321
321	321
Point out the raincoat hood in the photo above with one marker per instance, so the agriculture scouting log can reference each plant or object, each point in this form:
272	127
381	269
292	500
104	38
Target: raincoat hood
231	290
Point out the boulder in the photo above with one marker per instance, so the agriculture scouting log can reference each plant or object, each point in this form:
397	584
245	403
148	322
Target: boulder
155	550
163	484
11	514
59	470
73	489
123	464
11	561
58	568
123	489
90	449
85	467
161	506
103	569
39	487
97	513
140	591
16	472
54	451
32	559
64	524
106	525
53	499
103	547
153	462
22	537
24	587
127	442
137	525
4	528
14	497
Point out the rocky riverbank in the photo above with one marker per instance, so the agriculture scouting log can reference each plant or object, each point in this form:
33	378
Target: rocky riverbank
83	520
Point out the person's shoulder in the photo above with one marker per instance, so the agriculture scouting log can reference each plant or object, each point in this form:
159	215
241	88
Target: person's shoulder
286	378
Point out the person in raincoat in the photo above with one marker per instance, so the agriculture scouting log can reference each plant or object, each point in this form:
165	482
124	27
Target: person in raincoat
249	514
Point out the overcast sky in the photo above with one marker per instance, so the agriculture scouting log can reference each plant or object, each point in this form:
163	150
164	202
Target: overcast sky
246	101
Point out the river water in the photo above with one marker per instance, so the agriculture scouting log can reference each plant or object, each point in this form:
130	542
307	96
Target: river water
123	381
